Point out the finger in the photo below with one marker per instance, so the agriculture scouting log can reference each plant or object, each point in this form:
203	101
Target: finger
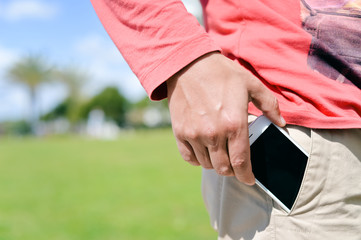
264	100
187	152
239	154
220	159
201	153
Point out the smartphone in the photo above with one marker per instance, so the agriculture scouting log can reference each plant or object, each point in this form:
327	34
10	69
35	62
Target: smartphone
278	162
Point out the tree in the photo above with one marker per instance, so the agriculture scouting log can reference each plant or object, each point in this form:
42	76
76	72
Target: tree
149	114
112	103
31	71
74	79
59	111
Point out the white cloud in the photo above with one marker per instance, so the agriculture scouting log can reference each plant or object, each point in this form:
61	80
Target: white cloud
27	9
14	97
107	66
13	101
7	57
96	55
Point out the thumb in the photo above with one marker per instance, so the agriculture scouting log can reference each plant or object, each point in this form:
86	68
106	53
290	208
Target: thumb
265	101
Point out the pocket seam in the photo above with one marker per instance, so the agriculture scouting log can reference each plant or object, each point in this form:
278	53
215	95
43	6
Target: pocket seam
310	157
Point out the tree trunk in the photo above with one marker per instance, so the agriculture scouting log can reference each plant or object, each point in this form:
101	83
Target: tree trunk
33	111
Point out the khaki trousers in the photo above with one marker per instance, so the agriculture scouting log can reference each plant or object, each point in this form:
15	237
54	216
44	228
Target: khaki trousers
328	205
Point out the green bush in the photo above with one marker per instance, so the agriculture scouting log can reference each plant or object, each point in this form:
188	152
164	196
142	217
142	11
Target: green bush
16	128
111	102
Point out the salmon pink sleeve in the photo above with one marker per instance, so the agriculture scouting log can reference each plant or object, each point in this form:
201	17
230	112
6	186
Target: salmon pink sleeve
157	38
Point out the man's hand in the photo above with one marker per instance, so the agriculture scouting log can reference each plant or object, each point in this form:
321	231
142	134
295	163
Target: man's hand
208	103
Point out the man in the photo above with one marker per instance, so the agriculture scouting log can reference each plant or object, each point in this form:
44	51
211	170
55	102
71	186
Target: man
255	56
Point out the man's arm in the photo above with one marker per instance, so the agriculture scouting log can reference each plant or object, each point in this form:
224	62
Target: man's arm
157	38
208	93
208	102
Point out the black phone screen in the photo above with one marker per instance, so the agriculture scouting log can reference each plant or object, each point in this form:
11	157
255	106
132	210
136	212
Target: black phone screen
278	164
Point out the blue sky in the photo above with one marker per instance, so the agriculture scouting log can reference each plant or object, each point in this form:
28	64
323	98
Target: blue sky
66	33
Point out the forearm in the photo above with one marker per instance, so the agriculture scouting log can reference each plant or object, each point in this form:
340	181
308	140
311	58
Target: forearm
157	38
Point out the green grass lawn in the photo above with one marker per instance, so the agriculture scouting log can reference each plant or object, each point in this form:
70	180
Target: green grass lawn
64	188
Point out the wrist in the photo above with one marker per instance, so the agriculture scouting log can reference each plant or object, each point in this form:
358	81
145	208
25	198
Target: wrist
188	69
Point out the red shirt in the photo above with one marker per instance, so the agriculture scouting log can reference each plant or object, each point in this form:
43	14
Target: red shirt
159	37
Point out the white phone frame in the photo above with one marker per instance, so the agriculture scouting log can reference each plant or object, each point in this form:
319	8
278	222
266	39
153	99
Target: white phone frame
256	128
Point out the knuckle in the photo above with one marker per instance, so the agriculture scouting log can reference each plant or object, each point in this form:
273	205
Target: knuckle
205	162
225	171
187	156
178	132
192	161
211	135
179	136
239	163
191	134
275	102
271	106
234	125
190	158
256	86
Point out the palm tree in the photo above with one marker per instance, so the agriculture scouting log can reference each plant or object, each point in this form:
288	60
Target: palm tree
74	79
31	71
